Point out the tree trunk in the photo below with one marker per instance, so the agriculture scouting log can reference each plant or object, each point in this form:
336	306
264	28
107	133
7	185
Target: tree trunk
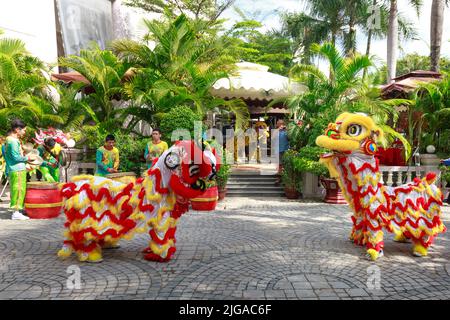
436	30
350	41
369	41
392	42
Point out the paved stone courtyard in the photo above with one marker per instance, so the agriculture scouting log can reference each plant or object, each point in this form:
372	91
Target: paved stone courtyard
247	249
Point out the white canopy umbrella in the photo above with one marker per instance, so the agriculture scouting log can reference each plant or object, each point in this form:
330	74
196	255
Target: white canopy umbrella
253	81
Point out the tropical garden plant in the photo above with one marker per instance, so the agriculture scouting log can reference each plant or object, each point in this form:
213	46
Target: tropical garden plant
180	70
22	84
343	90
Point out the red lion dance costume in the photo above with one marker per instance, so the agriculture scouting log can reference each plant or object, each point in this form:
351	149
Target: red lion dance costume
100	211
411	211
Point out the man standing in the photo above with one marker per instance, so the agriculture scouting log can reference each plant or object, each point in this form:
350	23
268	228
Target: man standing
15	168
107	157
50	152
283	145
155	148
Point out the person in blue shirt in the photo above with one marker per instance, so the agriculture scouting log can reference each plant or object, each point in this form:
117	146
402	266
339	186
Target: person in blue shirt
283	145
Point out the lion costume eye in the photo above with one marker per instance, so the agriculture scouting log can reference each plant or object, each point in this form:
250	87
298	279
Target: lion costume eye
354	130
172	161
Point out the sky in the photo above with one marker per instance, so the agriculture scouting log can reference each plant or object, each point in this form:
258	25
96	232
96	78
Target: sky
266	10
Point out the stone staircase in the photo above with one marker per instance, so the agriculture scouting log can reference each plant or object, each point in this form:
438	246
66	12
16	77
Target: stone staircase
253	185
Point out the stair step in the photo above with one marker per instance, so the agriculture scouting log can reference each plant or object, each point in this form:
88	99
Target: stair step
255	194
255	188
251	183
254	179
271	181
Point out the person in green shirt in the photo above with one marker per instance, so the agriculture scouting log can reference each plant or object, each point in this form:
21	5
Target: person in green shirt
50	151
107	157
16	168
155	148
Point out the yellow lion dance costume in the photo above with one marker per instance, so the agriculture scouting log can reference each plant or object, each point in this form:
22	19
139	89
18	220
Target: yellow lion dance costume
100	211
411	211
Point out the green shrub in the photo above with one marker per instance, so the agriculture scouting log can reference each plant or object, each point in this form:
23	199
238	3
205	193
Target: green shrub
445	175
308	161
131	150
178	118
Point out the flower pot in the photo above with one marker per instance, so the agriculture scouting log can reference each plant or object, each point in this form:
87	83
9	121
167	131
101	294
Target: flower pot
222	193
333	192
291	193
207	201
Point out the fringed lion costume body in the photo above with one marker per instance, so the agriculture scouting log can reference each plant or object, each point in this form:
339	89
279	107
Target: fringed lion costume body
100	212
411	211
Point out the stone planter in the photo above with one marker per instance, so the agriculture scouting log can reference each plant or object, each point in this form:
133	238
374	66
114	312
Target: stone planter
445	193
333	192
311	187
429	160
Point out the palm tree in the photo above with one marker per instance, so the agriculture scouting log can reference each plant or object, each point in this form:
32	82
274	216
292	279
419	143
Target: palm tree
21	80
393	34
105	73
327	95
432	101
344	90
180	70
436	30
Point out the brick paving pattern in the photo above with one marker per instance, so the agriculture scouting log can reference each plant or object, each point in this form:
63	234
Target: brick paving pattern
247	249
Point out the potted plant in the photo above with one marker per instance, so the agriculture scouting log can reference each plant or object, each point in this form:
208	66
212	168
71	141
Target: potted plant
290	178
222	178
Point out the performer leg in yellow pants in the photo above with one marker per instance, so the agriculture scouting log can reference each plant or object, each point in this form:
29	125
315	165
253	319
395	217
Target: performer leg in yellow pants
18	185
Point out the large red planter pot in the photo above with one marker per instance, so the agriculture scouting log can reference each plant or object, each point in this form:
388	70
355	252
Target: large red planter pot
291	193
207	201
334	194
43	200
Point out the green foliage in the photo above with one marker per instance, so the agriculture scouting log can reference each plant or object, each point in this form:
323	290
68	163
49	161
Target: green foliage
327	96
179	118
22	85
290	176
131	151
105	72
411	62
272	49
445	175
185	63
308	161
432	101
131	148
200	9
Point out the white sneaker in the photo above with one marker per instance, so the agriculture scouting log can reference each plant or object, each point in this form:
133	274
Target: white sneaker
18	216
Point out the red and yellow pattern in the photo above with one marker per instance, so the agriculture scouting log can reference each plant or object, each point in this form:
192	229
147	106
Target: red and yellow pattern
100	212
411	211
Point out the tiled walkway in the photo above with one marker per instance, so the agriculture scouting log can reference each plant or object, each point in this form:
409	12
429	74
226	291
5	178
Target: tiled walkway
248	248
